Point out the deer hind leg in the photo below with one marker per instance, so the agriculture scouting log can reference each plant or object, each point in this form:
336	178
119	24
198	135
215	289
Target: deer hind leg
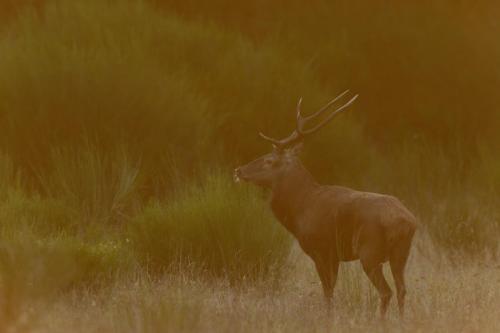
397	269
397	260
372	260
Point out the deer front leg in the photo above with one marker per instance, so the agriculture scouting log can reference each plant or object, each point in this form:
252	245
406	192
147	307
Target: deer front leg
327	271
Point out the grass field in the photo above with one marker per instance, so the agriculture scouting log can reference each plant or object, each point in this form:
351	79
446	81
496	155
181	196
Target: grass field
443	297
121	123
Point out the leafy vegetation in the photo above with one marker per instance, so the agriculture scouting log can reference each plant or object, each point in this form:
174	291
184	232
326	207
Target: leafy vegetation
120	123
223	228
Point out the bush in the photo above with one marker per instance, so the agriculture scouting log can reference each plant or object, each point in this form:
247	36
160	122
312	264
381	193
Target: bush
44	215
33	267
101	187
146	80
227	230
10	179
98	97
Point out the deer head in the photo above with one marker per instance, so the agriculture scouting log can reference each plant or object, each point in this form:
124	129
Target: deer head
265	170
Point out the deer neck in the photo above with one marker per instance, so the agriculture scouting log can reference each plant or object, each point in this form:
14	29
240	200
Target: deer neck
290	193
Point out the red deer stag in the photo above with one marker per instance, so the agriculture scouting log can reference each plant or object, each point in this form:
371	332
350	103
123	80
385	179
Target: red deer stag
333	223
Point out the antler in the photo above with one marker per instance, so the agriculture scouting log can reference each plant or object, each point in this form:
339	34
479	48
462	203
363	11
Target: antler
299	133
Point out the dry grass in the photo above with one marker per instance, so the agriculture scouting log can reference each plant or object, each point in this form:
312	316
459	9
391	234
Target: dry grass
444	295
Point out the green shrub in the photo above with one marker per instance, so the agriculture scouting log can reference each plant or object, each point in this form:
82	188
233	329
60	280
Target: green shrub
397	56
45	215
227	230
93	69
121	73
10	178
34	267
81	81
100	187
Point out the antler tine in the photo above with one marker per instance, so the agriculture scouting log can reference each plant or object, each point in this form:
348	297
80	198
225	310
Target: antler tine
331	116
267	138
299	132
300	120
295	136
324	108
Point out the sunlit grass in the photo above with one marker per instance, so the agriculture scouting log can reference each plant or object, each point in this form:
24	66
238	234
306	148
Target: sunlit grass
442	296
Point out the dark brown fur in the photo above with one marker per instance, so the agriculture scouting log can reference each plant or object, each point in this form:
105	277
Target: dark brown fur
334	224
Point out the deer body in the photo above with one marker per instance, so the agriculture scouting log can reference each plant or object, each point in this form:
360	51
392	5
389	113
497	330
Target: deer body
322	215
334	223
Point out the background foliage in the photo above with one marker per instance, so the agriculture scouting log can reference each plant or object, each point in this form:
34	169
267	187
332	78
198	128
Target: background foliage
120	123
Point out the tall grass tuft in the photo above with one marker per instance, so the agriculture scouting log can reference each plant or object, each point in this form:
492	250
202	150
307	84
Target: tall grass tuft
101	187
10	178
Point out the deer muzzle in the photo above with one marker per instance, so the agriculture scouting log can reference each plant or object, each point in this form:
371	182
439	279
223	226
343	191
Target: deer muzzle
237	175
